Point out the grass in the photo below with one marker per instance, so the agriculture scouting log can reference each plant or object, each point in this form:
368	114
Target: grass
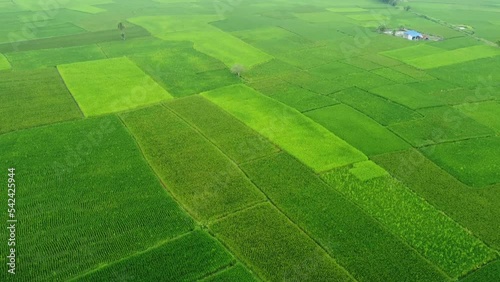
348	234
117	214
357	129
34	98
187	258
53	57
380	109
421	225
203	179
440	124
475	209
476	165
274	248
110	85
236	140
286	127
454	57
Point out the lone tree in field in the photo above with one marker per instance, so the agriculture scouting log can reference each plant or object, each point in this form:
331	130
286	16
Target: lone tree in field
382	28
407	8
238	69
121	27
498	43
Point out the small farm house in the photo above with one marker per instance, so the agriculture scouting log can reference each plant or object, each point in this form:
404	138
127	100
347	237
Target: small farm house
413	35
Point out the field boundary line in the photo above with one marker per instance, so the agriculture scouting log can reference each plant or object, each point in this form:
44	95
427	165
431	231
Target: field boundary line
249	207
217	271
383	227
268	200
181	206
69	91
165	187
478	269
197	129
138	253
301	230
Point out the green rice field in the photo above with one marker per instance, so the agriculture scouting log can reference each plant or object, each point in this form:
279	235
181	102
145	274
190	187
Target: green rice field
235	141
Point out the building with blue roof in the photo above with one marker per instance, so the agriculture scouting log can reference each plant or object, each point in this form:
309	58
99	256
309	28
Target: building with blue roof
413	35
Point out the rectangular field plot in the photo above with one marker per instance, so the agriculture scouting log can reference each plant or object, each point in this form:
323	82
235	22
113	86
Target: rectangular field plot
203	179
235	139
408	53
274	248
53	57
111	85
381	110
480	74
394	75
89	196
186	258
440	124
486	113
348	234
454	57
185	71
286	127
434	235
358	129
475	209
34	98
409	96
297	97
477	164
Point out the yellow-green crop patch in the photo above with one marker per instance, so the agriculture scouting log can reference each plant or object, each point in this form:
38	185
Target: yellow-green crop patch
110	85
4	63
53	57
206	38
367	170
454	57
300	136
202	178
